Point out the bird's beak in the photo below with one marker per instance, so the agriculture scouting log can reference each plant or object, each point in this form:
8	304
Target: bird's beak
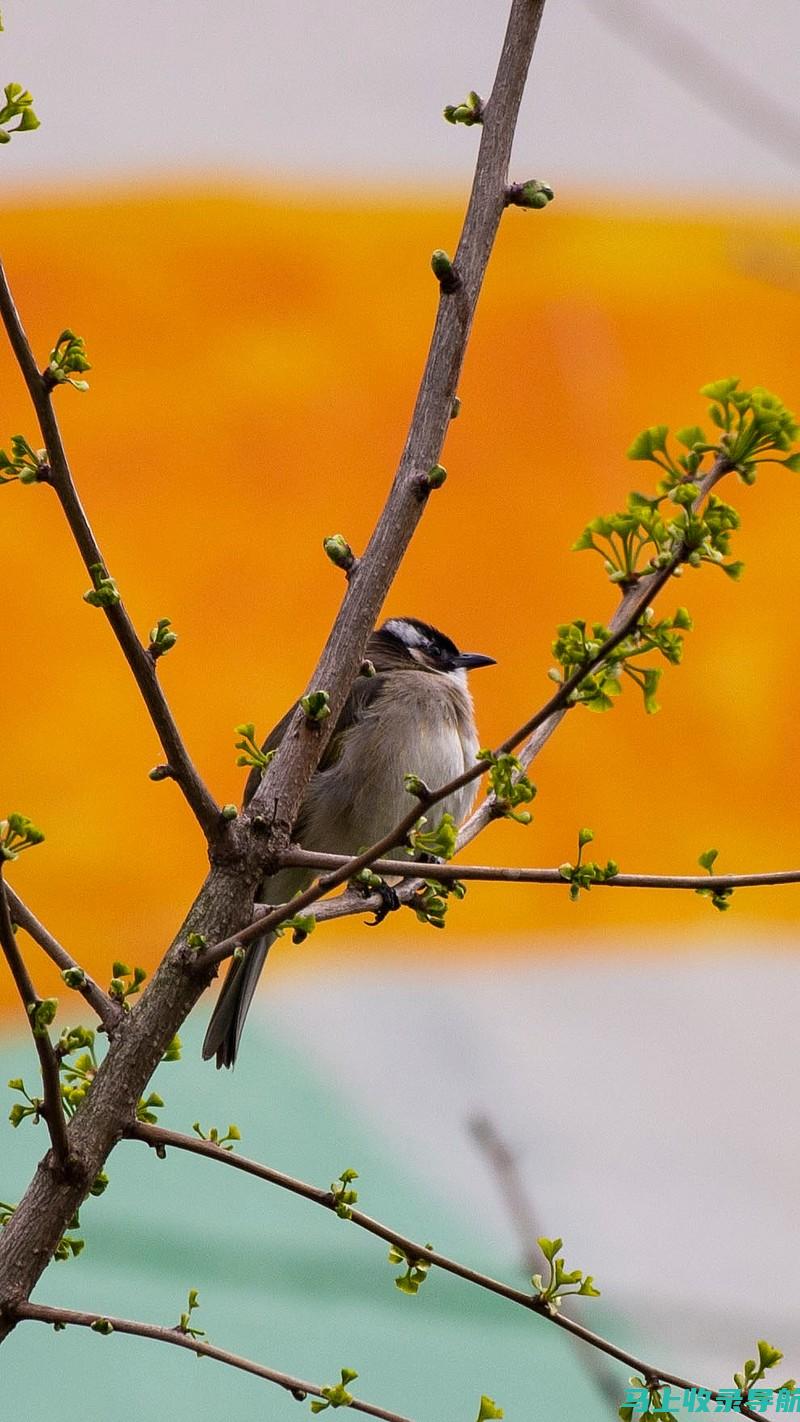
470	660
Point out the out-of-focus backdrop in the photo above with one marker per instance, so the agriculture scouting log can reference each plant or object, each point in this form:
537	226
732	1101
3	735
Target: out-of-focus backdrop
235	206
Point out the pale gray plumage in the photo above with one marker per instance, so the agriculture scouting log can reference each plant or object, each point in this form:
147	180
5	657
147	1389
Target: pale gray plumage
414	715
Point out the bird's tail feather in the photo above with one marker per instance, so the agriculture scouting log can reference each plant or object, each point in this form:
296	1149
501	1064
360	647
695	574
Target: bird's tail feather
227	1020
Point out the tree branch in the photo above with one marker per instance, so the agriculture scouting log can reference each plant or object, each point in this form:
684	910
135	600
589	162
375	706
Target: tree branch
534	732
141	663
44	1313
109	1011
510	874
160	1138
281	791
52	1110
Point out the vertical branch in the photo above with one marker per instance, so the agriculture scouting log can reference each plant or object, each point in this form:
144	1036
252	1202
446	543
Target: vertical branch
283	785
51	1082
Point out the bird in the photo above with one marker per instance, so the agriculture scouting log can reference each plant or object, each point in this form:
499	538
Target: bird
409	712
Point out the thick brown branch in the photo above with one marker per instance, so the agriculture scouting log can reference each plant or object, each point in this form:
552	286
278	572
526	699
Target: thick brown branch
109	1011
299	1389
283	786
160	1138
52	1110
142	665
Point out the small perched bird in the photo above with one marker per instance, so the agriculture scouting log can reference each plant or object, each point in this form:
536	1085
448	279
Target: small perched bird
411	713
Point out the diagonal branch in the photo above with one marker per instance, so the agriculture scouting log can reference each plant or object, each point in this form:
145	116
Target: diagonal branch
52	1110
160	1138
109	1011
141	663
534	732
281	791
44	1313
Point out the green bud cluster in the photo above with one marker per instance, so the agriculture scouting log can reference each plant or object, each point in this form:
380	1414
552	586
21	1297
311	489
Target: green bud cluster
561	1282
510	785
17	833
583	873
21	1110
300	926
146	1108
42	1015
344	1196
161	639
440	842
469	112
720	898
430	901
24	463
17	105
753	1371
316	706
531	194
77	1074
576	647
488	1410
213	1136
104	591
120	989
251	754
337	1395
416	1270
184	1324
67	359
71	1245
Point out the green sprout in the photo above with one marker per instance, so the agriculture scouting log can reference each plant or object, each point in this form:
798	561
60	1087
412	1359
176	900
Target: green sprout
25	464
67	359
102	1325
339	551
430	901
300	926
120	989
19	1111
17	833
436	476
70	1245
510	785
581	875
439	842
753	1372
42	1015
445	273
720	898
469	112
104	591
251	754
146	1108
416	1270
184	1324
213	1136
174	1049
488	1410
161	639
316	706
561	1282
77	1074
577	646
532	194
337	1395
17	105
344	1197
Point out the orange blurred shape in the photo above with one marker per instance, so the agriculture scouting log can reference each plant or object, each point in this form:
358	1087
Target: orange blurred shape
255	364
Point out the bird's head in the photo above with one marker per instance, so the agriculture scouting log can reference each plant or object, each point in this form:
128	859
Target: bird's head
407	643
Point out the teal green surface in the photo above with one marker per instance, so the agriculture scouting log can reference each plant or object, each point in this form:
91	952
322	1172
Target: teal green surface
280	1280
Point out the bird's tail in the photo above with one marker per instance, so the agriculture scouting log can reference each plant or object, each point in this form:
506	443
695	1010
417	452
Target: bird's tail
233	1004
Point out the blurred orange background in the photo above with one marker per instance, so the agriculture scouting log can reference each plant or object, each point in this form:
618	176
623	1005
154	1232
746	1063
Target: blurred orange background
255	364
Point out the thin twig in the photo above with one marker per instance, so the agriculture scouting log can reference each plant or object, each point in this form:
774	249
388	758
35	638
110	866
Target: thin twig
510	874
299	1389
704	74
160	1138
634	602
109	1011
52	1109
142	665
504	1165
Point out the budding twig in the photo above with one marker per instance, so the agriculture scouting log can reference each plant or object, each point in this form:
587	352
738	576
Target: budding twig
52	1110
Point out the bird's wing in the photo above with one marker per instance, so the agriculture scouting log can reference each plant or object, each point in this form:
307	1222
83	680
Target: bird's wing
364	694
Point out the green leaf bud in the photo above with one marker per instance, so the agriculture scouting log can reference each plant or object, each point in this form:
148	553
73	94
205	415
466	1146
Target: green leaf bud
339	551
445	273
